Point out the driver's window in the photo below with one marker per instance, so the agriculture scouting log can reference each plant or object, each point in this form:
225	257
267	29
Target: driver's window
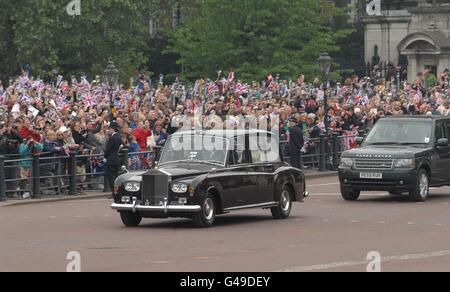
439	134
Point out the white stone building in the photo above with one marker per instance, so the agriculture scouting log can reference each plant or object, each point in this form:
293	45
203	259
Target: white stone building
412	33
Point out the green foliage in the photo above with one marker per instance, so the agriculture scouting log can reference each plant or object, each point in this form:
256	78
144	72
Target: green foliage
49	38
431	80
256	37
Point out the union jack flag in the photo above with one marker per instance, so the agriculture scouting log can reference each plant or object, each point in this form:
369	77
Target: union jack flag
231	76
241	88
88	100
212	89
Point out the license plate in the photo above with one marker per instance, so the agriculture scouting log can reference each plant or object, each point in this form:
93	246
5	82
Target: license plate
371	175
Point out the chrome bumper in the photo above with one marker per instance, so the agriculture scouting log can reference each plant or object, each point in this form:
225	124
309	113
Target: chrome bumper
134	207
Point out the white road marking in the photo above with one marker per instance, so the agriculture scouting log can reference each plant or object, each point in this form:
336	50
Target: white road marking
339	195
411	223
52	217
396	258
353	221
162	262
439	224
381	222
105	215
79	217
444	203
26	218
325	220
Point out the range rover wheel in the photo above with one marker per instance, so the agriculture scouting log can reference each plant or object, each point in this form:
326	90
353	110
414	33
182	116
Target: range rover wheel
283	211
421	189
350	195
207	216
130	219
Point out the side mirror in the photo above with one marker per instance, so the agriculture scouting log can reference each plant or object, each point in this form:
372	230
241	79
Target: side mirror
359	140
442	142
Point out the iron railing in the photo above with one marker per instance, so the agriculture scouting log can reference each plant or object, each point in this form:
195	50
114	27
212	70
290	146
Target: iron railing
51	175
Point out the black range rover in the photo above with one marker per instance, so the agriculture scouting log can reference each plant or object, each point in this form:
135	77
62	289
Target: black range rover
400	155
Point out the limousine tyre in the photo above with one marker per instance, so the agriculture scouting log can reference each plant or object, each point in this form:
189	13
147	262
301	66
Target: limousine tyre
207	216
130	219
283	211
421	189
350	195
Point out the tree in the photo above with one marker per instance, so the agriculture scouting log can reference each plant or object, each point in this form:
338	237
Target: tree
48	38
255	37
8	50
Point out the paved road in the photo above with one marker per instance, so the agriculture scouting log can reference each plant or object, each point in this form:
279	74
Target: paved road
323	234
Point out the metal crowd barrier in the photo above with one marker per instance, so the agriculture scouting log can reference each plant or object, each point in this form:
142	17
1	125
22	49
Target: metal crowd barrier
42	175
322	153
73	173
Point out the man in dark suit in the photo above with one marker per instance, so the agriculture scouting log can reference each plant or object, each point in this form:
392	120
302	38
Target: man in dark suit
296	143
112	154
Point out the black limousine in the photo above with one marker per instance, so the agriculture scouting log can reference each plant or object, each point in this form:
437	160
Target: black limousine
227	171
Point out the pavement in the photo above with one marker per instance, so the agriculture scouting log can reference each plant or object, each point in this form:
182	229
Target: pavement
325	233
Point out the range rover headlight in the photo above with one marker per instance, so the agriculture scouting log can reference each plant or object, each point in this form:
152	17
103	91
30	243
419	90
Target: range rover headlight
180	188
133	187
404	163
347	162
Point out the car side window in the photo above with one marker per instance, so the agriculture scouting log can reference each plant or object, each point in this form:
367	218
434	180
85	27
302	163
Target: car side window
447	126
439	133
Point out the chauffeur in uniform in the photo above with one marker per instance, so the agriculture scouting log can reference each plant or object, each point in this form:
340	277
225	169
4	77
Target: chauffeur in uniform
112	154
296	143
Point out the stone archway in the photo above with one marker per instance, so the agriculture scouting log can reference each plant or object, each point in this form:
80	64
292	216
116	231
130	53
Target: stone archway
424	50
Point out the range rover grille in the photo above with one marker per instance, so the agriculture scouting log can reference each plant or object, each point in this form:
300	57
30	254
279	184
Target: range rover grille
374	163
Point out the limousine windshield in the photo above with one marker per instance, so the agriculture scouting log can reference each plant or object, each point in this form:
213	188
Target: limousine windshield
195	148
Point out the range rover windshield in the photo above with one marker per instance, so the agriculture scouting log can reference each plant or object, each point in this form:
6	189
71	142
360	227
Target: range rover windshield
195	148
400	132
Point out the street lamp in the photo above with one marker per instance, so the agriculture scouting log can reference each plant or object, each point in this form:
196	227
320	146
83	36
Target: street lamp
325	62
111	78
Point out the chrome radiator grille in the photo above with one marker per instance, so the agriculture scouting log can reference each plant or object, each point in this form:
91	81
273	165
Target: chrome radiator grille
155	188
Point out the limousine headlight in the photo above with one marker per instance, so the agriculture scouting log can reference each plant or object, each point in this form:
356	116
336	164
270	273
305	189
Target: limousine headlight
180	188
347	162
132	187
404	163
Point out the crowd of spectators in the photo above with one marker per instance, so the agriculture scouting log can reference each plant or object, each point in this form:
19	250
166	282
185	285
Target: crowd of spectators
54	119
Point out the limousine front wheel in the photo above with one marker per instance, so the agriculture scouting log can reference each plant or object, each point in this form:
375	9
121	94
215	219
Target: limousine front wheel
130	219
207	216
283	211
